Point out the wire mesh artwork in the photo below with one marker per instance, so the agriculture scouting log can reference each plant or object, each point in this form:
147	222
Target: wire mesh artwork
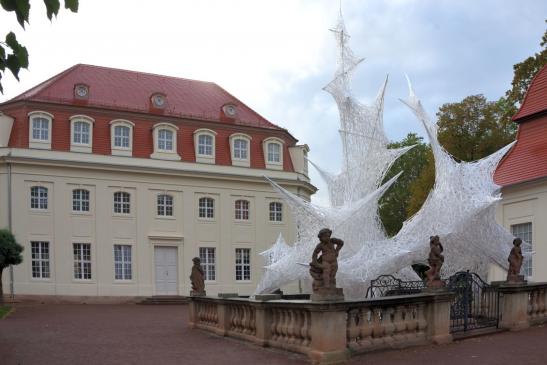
460	208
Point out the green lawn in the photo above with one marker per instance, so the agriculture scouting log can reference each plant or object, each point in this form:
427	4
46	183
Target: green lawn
4	310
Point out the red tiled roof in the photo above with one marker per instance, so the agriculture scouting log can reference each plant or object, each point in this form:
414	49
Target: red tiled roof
527	160
535	100
131	90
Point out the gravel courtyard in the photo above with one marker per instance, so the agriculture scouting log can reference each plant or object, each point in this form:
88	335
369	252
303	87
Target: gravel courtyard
135	334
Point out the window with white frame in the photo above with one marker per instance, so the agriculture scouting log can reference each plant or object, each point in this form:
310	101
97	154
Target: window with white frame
122	202
165	140
274	152
80	200
524	232
276	212
206	208
81	127
122	136
40	124
207	258
204	142
121	132
40	129
242	209
165	205
205	145
38	197
122	262
241	148
82	132
40	259
82	260
243	264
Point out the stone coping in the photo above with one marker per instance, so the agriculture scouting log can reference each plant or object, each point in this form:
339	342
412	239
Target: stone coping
518	287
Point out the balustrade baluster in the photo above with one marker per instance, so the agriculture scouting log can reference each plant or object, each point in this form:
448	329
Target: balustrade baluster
377	326
399	323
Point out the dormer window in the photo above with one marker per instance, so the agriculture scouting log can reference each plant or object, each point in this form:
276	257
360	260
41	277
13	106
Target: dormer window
230	110
40	124
273	153
121	137
81	91
240	145
204	143
165	141
81	131
159	101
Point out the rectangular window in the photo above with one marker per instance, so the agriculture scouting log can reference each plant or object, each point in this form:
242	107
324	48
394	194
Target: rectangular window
242	210
524	232
81	133
206	208
205	145
122	203
165	140
121	136
243	264
274	152
38	197
207	257
82	260
276	212
40	129
165	205
122	262
80	200
40	259
240	149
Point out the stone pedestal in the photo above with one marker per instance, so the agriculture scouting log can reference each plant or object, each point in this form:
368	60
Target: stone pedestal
514	315
327	295
515	279
438	316
435	285
194	293
328	338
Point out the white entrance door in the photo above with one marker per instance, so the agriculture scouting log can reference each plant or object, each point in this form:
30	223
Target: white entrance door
166	259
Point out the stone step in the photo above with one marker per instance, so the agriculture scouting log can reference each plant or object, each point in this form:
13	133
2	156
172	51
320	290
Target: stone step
164	300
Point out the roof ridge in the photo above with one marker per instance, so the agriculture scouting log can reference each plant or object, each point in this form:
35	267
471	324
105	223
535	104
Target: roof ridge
144	73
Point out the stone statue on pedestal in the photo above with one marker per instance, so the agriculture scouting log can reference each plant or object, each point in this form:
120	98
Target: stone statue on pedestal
435	260
324	266
197	278
515	263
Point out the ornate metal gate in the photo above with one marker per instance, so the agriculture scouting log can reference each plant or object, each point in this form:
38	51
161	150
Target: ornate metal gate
388	285
475	305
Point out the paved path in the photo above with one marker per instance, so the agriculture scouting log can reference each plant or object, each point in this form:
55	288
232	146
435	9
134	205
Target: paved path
132	334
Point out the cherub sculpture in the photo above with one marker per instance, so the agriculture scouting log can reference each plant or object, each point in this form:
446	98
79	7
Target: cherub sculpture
323	268
515	262
435	260
197	278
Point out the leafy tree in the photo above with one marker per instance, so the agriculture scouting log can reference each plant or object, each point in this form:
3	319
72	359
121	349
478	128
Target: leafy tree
420	188
10	254
474	127
525	71
394	204
14	56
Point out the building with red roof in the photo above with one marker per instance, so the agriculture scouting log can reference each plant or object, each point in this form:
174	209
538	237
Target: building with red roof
523	177
116	179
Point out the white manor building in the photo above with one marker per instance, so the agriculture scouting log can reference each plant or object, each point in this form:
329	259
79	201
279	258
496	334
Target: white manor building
114	180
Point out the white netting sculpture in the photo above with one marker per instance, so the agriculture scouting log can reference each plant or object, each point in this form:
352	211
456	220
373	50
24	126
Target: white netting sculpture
460	208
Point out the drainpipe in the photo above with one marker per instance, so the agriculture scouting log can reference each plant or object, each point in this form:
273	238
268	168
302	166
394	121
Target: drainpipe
11	288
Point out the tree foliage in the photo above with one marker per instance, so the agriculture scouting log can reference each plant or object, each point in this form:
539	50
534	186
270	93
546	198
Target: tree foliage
394	204
10	254
13	55
474	128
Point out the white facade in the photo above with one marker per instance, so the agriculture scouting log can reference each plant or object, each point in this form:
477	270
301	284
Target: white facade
129	247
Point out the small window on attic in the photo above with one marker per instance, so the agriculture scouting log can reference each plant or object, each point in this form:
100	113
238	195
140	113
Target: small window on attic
230	110
158	101
81	91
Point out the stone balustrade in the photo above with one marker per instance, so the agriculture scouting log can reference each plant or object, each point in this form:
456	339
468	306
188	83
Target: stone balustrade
522	305
328	332
537	301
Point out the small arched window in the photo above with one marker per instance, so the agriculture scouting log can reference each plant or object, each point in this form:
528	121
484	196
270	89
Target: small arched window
273	153
38	197
206	207
165	205
276	212
242	210
122	202
80	200
165	141
204	141
81	128
40	125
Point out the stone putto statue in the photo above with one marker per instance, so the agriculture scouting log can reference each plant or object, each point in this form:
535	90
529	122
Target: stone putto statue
515	263
435	260
324	266
197	278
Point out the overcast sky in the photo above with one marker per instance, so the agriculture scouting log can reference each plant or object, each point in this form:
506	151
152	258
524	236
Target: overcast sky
277	55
